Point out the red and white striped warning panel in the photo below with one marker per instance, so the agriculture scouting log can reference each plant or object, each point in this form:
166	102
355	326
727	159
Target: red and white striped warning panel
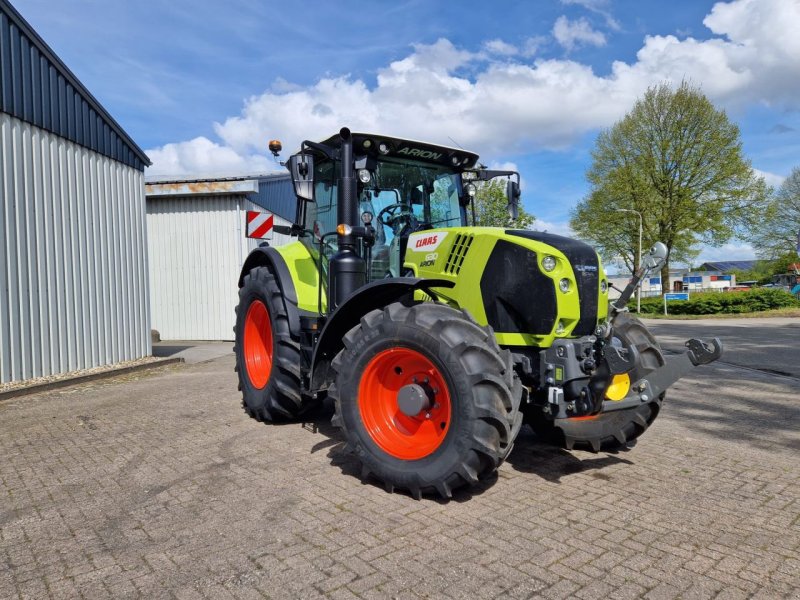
259	224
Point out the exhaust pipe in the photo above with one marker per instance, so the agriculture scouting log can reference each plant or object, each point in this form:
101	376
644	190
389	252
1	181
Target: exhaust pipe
347	271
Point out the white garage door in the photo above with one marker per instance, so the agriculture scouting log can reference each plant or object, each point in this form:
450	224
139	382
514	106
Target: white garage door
196	250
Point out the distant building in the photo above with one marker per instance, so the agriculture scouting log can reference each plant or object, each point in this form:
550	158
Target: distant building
73	255
682	280
197	245
704	281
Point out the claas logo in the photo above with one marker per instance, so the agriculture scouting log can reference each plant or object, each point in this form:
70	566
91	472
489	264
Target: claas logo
426	241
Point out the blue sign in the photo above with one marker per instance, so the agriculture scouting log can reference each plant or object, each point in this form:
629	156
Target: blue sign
676	296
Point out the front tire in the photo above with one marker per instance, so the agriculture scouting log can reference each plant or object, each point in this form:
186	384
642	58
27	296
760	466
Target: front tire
470	416
267	357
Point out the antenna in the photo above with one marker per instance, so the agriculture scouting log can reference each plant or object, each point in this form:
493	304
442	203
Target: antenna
455	142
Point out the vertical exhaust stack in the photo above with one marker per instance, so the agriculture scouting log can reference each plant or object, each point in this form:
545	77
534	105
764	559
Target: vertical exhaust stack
348	207
347	271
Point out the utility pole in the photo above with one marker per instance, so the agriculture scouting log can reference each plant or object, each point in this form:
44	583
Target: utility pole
639	261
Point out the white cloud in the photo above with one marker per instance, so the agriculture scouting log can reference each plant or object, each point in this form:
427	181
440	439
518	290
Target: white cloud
770	178
572	34
500	47
532	45
440	91
201	155
599	7
556	227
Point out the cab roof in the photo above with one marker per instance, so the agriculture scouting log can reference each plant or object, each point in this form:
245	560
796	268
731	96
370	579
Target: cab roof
379	146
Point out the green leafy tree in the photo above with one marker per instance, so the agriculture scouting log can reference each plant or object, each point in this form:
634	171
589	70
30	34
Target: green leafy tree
775	236
491	207
678	161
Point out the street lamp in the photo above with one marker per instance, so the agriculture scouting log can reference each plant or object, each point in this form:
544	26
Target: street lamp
639	262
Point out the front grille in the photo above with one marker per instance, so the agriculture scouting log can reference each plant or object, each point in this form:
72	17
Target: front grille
458	253
517	296
586	267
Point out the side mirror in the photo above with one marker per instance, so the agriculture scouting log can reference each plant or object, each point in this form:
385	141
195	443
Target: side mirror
513	194
656	258
301	166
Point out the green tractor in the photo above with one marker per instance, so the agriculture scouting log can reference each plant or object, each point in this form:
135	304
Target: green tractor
437	339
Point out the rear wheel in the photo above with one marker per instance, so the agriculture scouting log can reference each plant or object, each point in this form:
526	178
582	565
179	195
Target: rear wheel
267	357
609	430
425	398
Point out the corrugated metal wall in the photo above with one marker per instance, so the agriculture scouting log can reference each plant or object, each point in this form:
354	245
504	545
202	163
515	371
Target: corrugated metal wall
36	87
197	247
73	256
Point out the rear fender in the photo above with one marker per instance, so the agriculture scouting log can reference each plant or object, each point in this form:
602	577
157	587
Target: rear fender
266	256
376	295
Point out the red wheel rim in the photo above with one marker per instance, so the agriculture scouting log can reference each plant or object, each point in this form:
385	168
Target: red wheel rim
402	436
258	344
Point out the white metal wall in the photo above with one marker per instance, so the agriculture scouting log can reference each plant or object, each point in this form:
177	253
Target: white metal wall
73	256
197	248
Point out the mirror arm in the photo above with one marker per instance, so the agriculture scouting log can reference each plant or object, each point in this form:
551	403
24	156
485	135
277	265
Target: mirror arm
329	152
487	174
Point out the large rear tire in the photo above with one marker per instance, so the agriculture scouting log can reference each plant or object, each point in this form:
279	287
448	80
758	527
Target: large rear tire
470	413
615	429
267	357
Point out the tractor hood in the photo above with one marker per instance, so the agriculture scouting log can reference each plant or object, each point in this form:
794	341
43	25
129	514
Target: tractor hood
532	287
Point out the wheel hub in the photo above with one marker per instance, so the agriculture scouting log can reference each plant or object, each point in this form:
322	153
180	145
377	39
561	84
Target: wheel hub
404	403
413	399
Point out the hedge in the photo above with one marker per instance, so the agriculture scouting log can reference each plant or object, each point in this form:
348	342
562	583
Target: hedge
713	303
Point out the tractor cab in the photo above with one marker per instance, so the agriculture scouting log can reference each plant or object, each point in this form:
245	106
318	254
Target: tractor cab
402	187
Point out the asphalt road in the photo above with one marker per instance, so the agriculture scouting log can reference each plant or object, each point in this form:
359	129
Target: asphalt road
159	486
771	345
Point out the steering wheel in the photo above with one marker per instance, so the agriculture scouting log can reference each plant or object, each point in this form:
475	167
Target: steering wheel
395	213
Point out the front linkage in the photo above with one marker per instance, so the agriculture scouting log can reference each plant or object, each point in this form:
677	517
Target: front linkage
621	369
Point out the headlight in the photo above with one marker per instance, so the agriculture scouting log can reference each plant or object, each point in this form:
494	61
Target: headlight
563	285
364	175
549	263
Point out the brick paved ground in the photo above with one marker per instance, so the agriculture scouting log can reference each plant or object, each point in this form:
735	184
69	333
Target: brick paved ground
159	486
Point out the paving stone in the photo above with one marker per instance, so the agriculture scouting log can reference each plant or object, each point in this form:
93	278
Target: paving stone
173	492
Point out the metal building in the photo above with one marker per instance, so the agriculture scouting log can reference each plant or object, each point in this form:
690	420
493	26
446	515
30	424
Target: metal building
197	246
73	255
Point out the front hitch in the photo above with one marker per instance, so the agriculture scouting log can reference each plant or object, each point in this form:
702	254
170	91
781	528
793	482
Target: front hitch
651	387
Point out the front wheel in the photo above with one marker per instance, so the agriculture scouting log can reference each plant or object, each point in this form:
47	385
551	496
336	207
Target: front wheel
425	398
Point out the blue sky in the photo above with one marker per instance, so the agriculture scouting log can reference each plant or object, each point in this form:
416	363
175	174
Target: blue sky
202	85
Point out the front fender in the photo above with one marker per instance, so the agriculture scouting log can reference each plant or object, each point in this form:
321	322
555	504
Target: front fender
375	295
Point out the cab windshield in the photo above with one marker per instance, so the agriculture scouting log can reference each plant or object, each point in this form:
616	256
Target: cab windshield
402	197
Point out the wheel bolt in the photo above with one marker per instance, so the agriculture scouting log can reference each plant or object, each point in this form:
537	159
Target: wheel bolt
427	415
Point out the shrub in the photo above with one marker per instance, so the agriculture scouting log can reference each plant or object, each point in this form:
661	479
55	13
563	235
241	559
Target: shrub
714	303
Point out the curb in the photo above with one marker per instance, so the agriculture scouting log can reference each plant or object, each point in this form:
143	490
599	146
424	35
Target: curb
70	381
